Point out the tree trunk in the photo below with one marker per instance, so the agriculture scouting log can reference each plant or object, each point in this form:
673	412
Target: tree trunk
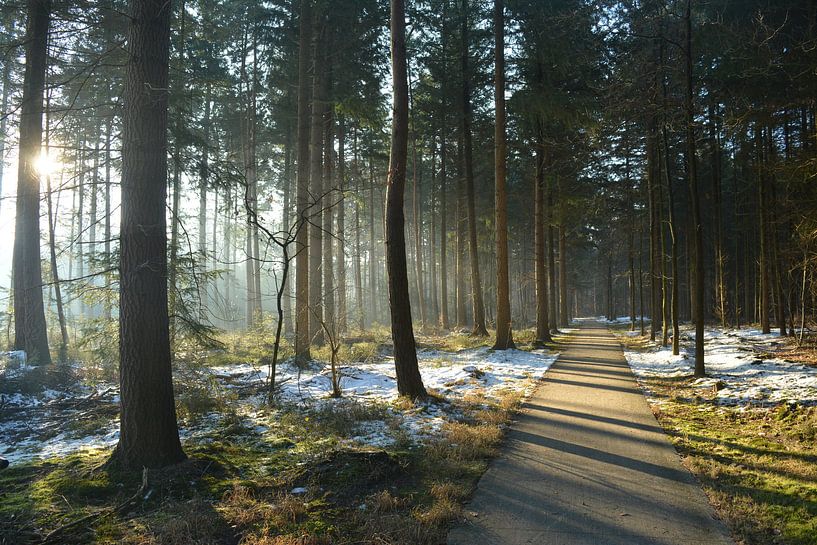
418	230
698	310
108	261
763	261
542	307
460	247
676	333
361	313
4	107
30	331
434	311
372	260
341	231
476	283
504	335
553	307
329	316
720	259
204	172
149	434
316	185
563	319
55	277
302	197
409	382
445	321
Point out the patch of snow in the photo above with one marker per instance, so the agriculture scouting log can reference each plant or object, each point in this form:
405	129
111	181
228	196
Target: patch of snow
732	358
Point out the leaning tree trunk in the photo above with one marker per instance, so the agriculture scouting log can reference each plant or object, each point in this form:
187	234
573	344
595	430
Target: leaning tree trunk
149	435
504	335
30	332
409	382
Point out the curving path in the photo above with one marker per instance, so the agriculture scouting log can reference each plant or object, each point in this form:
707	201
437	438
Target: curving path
587	463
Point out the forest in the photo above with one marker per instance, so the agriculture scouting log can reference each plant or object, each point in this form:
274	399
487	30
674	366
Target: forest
307	272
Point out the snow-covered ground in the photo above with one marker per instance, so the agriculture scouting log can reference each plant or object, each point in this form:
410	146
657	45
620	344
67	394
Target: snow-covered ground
452	375
735	358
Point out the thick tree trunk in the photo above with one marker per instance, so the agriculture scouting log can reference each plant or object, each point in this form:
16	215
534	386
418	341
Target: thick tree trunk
149	434
302	197
30	332
409	382
504	335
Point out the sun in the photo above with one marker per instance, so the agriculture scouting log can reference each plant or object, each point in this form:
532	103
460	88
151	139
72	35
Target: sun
47	164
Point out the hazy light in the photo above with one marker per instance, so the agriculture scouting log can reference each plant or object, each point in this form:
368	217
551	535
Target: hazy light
47	164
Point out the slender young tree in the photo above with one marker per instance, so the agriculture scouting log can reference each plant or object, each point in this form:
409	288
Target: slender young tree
542	308
504	335
149	434
692	172
477	301
409	381
29	315
302	352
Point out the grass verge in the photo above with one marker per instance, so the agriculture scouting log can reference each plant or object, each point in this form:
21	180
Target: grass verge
758	465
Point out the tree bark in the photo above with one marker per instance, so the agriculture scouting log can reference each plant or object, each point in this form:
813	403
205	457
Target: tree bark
149	434
698	310
542	307
316	185
341	230
477	301
409	382
504	335
302	196
30	333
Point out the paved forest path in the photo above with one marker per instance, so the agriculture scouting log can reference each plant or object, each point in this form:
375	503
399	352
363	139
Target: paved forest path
587	463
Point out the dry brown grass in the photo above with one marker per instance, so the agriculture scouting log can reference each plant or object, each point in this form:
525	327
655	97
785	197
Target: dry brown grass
191	523
242	507
288	539
385	502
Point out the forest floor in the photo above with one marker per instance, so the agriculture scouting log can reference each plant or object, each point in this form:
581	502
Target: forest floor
748	430
364	468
